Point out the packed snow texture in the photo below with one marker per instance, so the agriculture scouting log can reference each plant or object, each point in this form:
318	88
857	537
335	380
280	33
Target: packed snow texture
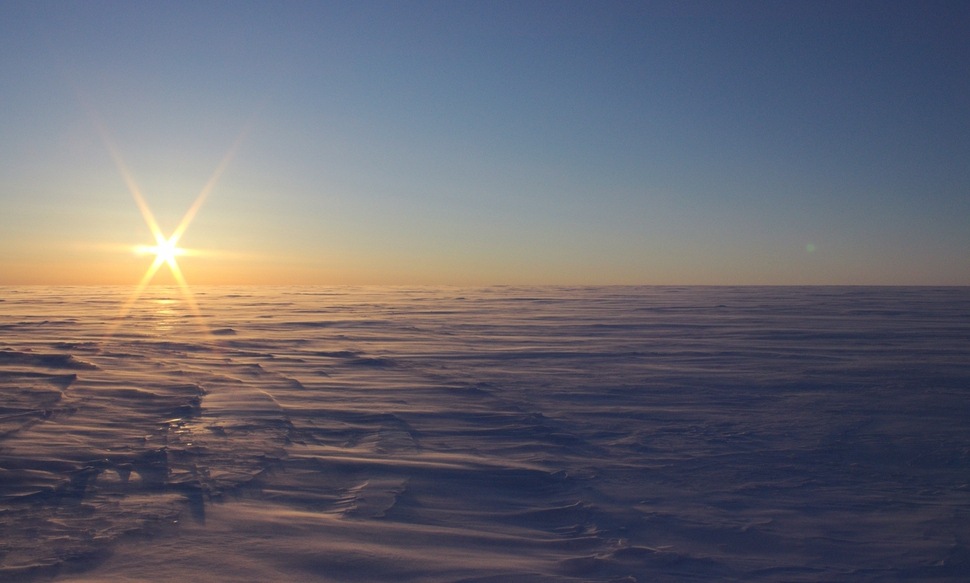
496	434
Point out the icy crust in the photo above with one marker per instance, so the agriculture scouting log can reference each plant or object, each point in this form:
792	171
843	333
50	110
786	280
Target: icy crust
535	434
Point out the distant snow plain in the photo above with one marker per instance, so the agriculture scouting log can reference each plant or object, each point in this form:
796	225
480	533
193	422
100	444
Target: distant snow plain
492	434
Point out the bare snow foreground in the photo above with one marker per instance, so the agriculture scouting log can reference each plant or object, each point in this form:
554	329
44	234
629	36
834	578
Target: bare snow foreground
500	434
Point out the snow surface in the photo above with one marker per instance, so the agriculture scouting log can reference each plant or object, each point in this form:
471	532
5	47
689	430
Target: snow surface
498	434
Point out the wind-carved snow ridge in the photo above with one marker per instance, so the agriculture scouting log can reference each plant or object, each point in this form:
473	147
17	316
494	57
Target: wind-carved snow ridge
498	434
86	460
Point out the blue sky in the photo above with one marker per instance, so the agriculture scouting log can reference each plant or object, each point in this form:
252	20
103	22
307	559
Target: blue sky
490	142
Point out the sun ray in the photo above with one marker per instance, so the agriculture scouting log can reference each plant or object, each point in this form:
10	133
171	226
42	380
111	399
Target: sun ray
146	212
209	186
139	289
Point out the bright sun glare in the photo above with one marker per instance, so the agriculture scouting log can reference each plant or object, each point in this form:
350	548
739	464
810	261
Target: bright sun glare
165	251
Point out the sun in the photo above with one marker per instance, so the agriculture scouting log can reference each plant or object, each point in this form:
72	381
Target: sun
165	251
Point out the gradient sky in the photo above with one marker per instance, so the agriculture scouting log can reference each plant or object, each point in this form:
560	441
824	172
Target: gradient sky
489	142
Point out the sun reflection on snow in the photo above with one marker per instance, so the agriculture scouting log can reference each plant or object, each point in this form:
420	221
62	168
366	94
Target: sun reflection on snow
165	315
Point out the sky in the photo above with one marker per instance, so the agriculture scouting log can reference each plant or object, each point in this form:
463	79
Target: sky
479	143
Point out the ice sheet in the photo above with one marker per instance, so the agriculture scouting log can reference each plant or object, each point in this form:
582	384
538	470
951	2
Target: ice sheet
493	434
